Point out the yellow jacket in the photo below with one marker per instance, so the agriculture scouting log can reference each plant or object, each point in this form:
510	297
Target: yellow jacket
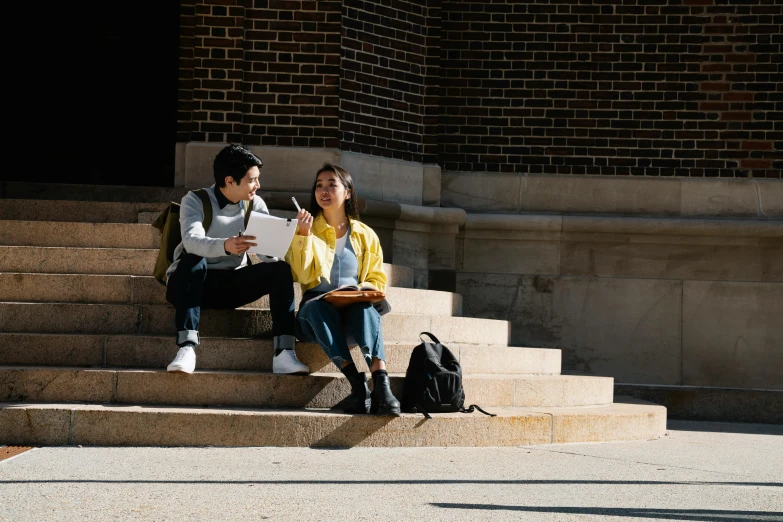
311	257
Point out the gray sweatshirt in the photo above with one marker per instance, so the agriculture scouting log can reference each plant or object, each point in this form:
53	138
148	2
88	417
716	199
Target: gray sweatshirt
226	222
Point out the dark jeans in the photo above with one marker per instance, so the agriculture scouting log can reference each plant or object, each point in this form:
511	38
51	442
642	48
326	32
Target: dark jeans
192	286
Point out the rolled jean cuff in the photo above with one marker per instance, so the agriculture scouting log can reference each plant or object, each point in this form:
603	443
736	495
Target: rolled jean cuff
368	358
285	342
187	337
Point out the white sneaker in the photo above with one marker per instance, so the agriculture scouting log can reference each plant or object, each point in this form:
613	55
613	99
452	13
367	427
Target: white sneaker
287	363
185	361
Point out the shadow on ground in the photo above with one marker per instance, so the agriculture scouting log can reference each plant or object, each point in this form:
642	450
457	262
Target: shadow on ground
725	427
707	515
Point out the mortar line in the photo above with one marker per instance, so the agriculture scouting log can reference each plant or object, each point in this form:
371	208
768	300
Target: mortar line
551	428
105	350
682	328
758	196
70	427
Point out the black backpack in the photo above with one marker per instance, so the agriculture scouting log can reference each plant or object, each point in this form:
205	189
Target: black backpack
433	381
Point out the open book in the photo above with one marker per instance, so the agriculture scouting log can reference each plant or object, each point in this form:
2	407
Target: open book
348	294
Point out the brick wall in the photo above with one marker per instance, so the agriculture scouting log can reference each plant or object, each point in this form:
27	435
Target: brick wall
638	87
388	93
263	72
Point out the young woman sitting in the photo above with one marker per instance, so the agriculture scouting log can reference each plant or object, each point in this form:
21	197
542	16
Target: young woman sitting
333	248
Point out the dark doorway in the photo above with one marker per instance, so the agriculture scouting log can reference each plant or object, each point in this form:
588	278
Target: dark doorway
97	93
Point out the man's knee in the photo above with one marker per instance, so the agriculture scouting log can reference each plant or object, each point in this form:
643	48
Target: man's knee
192	264
279	275
282	271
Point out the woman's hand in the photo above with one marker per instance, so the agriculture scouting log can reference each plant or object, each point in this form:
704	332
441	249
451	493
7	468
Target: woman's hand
238	244
305	222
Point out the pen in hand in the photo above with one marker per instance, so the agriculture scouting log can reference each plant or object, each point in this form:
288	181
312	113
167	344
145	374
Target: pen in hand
298	208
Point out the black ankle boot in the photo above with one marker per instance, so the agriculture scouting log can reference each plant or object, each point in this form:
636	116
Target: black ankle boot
359	399
383	400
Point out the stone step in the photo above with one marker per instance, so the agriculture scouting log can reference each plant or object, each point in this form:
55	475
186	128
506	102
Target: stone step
102	425
268	390
88	194
116	261
151	319
76	211
121	289
85	235
61	260
218	353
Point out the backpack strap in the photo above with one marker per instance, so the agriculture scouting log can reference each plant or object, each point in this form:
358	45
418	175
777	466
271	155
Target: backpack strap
248	210
204	197
431	336
420	409
475	406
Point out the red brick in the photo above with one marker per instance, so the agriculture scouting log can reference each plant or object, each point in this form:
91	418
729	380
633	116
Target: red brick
715	67
738	96
757	145
736	116
715	86
756	163
721	49
713	106
741	58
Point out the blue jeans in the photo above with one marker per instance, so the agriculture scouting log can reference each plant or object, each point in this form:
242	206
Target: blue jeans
192	286
319	322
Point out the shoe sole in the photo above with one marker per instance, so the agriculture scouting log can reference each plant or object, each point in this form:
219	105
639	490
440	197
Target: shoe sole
179	370
387	413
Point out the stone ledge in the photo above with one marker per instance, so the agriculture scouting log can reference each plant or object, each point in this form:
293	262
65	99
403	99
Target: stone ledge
623	225
103	425
564	194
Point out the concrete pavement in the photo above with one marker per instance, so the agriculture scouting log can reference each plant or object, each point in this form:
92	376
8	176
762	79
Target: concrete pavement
699	471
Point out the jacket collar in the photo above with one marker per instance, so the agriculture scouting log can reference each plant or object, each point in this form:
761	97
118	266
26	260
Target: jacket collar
320	224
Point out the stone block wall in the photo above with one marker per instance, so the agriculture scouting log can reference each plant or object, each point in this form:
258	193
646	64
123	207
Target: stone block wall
646	300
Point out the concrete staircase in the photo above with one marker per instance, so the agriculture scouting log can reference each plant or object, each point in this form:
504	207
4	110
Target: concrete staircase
86	333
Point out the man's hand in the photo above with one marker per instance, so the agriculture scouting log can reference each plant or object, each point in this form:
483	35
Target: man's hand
305	222
238	244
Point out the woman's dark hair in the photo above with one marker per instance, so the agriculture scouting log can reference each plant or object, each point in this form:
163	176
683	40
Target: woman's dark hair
234	160
351	204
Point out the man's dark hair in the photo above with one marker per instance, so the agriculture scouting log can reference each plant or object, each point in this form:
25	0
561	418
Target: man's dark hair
234	160
351	204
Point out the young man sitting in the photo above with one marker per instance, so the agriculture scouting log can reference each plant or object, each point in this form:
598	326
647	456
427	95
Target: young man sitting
211	266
